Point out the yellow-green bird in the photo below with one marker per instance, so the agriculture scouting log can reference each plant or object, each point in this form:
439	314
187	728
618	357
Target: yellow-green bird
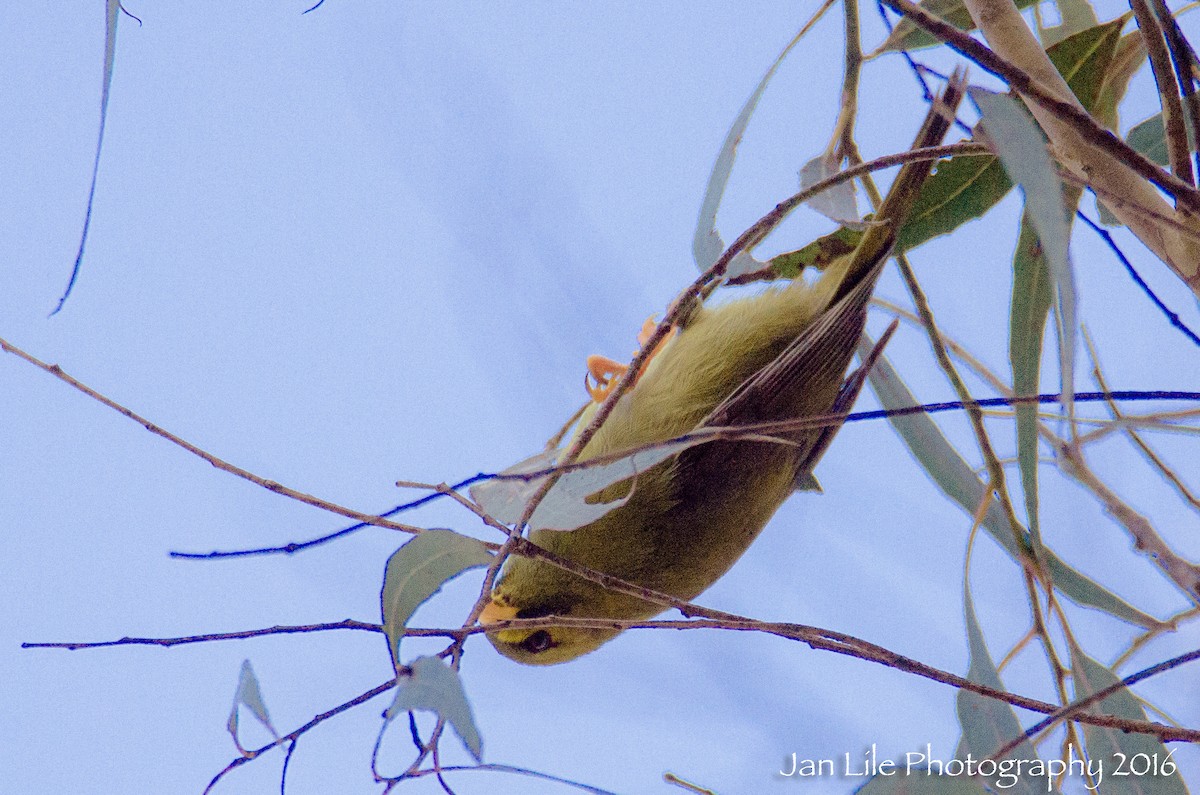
776	356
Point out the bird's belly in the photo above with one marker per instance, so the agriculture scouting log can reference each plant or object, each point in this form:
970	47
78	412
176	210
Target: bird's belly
681	546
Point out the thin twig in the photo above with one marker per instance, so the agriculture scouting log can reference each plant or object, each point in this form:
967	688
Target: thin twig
1172	317
294	735
269	485
348	623
1072	711
1135	437
1168	90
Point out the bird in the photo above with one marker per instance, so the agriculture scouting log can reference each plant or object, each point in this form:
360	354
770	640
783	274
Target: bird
776	356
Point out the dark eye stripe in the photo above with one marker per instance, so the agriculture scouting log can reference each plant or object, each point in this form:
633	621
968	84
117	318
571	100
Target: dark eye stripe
554	607
536	612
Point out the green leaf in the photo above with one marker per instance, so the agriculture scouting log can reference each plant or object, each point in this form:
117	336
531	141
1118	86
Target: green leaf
249	695
1031	299
433	686
1116	750
1083	59
1149	138
967	186
989	724
1022	149
959	190
956	478
911	36
817	254
417	570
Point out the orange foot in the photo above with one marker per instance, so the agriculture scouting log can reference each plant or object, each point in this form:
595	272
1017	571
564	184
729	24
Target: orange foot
605	372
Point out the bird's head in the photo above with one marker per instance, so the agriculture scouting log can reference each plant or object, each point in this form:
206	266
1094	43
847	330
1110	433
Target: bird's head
543	645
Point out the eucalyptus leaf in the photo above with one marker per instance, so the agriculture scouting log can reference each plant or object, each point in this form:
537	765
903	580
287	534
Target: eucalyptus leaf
1120	752
1149	138
1086	60
566	505
817	254
417	570
707	243
1030	306
1095	64
960	189
1022	149
249	695
112	13
959	482
837	203
504	499
1128	57
433	686
967	186
987	723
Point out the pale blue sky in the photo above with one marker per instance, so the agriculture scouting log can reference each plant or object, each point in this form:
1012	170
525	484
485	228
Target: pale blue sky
377	242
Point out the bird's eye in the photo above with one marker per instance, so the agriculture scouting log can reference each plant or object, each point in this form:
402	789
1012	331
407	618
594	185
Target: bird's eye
538	642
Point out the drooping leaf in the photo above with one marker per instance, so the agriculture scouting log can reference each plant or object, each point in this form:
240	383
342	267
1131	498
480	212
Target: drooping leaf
707	244
959	482
112	14
837	203
249	695
1031	299
1022	149
417	570
911	36
987	723
433	686
1116	750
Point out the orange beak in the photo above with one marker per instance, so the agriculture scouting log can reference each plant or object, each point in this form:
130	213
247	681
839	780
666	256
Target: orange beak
495	611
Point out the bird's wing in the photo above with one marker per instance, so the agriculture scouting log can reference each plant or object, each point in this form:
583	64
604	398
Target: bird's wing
820	354
841	405
816	360
818	357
